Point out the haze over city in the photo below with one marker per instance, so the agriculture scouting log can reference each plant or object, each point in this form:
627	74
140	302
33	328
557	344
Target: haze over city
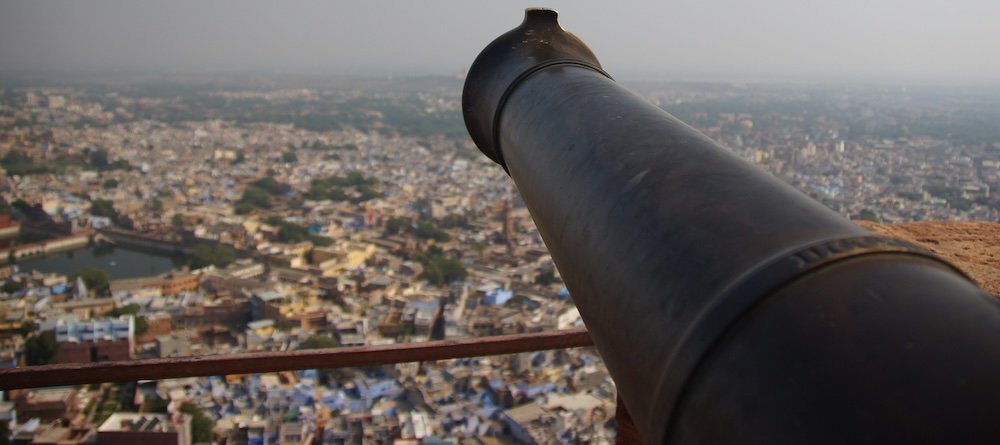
892	40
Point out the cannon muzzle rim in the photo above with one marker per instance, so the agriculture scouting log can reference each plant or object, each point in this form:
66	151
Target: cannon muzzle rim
539	42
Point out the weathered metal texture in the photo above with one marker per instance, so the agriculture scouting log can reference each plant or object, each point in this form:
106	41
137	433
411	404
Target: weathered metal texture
729	307
153	369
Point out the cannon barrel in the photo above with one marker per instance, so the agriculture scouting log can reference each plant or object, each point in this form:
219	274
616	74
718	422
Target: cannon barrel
727	306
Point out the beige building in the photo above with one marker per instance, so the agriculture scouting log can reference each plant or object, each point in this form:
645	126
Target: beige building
343	256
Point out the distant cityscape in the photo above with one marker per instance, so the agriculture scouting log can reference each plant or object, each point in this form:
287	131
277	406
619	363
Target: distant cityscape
152	217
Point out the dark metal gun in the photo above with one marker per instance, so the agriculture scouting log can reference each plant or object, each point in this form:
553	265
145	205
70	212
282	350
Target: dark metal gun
729	307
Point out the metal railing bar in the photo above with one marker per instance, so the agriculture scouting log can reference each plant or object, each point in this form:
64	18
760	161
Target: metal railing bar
262	362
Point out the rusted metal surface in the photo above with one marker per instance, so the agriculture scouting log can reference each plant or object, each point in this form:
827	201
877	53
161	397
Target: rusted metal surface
155	369
728	306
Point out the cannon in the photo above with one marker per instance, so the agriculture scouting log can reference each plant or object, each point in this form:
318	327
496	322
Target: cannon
728	306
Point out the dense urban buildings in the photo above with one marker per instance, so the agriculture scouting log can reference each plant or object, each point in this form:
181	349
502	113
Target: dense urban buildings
160	219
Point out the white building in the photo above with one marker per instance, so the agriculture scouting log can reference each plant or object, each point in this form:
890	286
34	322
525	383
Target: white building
106	329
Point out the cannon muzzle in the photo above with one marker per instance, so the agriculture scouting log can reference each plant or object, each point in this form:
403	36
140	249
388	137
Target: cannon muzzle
728	306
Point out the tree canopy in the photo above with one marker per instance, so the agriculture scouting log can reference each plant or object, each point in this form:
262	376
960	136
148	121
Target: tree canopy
16	162
335	188
156	206
217	255
11	286
289	232
546	277
141	324
95	279
423	228
177	220
258	195
319	342
440	269
271	186
41	349
201	424
98	159
103	207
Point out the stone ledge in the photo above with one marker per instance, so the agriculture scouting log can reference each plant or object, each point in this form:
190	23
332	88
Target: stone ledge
973	246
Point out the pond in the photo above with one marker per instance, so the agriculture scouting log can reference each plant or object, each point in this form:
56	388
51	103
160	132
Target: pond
119	262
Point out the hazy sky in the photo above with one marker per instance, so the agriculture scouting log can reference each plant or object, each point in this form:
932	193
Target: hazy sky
906	40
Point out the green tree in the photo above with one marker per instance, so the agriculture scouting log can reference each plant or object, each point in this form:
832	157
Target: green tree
321	241
155	404
366	193
545	278
98	158
356	178
439	269
218	255
27	328
95	279
423	228
201	424
423	207
110	183
16	162
156	206
242	208
128	309
11	286
868	215
254	198
177	220
289	157
103	207
319	342
320	190
455	221
289	232
292	233
14	159
332	187
141	324
395	226
427	230
41	349
271	186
